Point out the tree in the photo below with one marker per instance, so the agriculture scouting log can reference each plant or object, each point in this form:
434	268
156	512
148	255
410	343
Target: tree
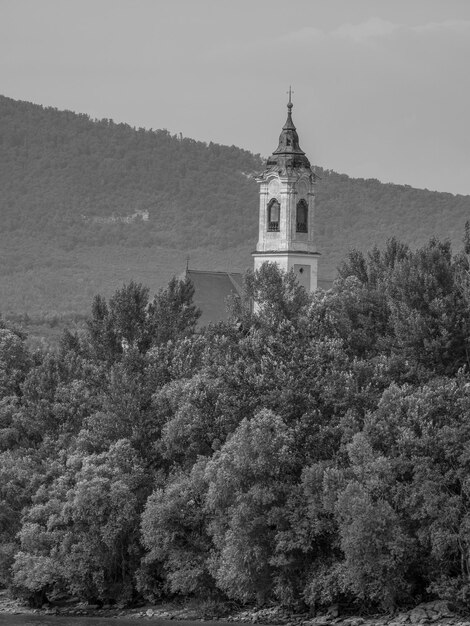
402	506
277	295
15	361
58	394
175	533
248	481
374	540
120	323
172	313
430	317
21	474
81	533
355	313
130	321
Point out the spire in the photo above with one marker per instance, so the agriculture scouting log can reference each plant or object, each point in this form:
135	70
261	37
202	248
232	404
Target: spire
289	125
288	152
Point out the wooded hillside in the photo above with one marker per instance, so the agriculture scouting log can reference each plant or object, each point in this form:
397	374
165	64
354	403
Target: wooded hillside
87	205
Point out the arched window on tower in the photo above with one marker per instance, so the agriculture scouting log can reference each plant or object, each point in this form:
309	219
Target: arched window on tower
302	216
274	212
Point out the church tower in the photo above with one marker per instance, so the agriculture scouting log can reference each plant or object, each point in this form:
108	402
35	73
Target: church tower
286	209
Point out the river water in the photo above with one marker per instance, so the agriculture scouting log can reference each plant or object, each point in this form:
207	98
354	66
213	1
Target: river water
62	620
59	620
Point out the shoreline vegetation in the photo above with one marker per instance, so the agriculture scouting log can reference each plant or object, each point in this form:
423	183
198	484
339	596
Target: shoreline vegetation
311	454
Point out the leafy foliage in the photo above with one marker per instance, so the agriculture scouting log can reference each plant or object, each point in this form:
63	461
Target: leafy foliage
313	451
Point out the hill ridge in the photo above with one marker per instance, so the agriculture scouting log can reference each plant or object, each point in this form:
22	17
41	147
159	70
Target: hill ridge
200	198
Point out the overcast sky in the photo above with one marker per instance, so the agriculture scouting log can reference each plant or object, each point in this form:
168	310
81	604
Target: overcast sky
381	87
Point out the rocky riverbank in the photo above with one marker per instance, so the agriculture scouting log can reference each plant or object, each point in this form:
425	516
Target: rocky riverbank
437	613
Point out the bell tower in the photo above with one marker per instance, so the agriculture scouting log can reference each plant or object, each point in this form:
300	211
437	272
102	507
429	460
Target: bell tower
286	209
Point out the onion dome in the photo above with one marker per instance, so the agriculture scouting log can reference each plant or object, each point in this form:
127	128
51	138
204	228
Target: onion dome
288	154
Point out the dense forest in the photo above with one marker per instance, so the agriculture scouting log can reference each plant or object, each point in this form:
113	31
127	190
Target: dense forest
87	205
315	451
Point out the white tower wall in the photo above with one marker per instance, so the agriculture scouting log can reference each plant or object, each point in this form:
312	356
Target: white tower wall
288	179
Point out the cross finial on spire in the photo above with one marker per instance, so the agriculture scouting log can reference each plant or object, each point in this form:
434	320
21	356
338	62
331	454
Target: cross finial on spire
290	92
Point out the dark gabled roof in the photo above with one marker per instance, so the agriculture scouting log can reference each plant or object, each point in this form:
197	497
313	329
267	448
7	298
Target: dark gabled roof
325	283
211	290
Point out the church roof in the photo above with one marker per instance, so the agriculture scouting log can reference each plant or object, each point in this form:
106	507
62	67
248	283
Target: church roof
325	283
211	290
288	153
